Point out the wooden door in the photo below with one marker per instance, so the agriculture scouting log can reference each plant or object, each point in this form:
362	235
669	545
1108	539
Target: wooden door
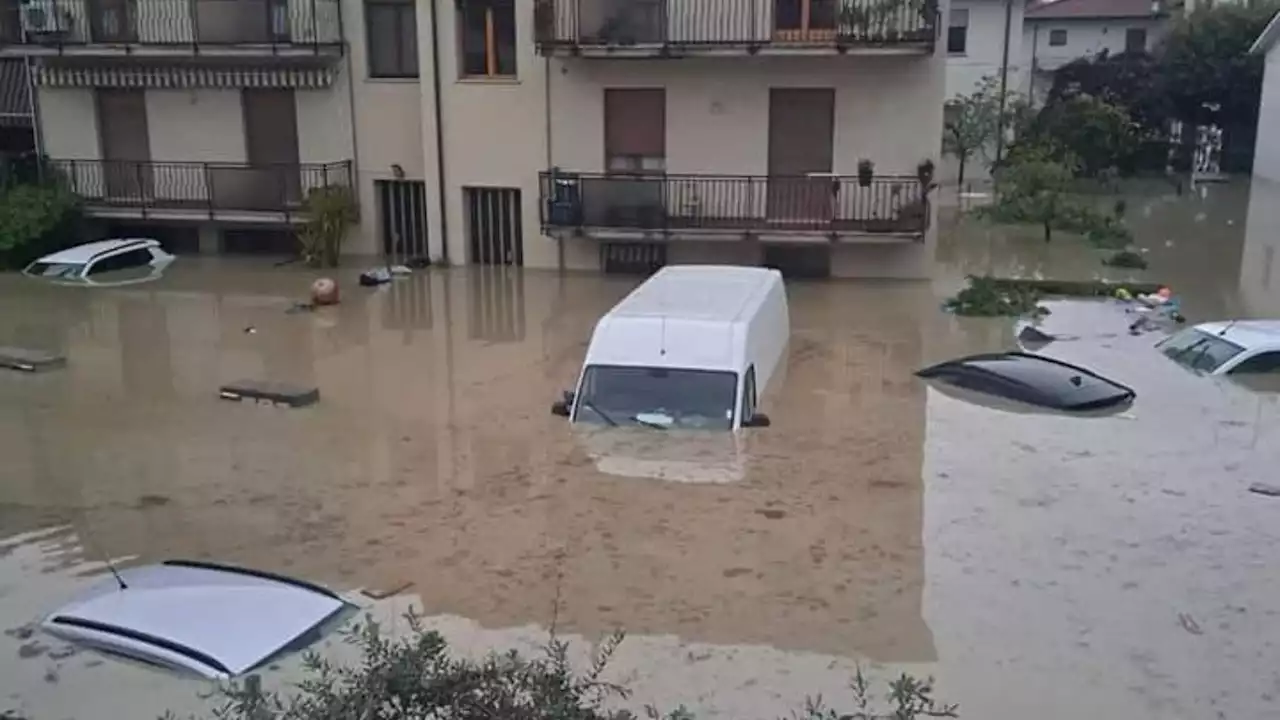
801	134
805	21
272	181
126	146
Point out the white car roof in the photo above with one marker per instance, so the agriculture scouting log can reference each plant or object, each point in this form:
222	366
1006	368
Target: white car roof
217	620
1248	334
81	254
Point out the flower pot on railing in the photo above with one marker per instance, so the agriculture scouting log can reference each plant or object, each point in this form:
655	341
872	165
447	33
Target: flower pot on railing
866	172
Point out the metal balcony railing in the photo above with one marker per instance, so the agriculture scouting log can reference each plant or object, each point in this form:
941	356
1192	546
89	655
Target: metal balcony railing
661	202
199	186
750	24
214	23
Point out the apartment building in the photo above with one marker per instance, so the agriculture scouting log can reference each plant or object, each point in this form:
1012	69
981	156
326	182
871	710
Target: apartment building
984	37
577	134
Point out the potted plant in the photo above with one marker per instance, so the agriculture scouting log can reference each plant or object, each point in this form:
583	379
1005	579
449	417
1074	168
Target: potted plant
924	172
866	172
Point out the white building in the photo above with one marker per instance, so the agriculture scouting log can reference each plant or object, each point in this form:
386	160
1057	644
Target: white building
555	133
1057	32
977	33
1266	154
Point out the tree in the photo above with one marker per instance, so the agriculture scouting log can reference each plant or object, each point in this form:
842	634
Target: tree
1130	80
1207	73
1085	131
971	122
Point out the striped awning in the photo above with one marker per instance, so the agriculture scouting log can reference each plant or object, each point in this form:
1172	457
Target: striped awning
15	96
178	77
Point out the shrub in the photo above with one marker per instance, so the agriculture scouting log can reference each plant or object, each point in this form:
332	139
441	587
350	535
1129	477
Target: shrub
987	297
1126	259
330	211
414	677
36	220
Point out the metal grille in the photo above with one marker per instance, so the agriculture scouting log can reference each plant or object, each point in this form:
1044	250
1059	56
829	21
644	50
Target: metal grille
402	219
494	226
633	258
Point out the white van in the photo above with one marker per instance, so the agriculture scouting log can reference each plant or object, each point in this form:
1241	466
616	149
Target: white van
694	347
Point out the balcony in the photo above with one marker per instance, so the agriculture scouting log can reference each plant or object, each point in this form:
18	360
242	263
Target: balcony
678	28
235	192
888	209
171	28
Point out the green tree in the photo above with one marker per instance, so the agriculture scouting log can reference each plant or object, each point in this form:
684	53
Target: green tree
1035	188
972	122
1207	74
1086	131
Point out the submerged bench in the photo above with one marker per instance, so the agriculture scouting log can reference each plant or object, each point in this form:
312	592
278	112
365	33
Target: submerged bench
273	392
27	360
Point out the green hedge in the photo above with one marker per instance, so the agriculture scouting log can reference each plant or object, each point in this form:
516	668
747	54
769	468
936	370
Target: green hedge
36	219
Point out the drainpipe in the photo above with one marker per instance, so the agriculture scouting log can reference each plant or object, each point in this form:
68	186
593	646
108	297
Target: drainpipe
440	171
546	112
355	145
1031	72
1004	80
33	100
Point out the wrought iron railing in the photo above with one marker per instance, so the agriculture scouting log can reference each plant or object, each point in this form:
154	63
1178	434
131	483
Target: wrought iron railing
751	24
199	186
276	23
891	205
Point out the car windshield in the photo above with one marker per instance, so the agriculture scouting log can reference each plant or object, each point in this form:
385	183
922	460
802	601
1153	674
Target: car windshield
1199	350
54	270
657	397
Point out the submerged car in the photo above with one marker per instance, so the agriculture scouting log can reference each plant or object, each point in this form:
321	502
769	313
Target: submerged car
123	261
1032	379
1235	347
216	621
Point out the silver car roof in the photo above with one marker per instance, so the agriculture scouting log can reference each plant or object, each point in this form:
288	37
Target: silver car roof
216	620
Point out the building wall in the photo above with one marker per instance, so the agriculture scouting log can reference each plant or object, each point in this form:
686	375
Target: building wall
196	125
984	51
68	128
1266	159
1084	38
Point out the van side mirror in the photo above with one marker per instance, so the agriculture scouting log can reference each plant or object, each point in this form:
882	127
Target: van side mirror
562	408
759	420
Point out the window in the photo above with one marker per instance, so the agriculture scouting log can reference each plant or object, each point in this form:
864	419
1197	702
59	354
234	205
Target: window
391	30
1199	350
1135	40
123	261
1267	362
958	32
1057	38
487	36
635	135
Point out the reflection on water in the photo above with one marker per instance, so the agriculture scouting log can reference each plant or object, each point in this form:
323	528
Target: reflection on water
1037	564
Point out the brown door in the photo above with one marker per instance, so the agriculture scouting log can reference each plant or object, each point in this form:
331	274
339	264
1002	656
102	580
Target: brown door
126	149
272	180
635	151
801	128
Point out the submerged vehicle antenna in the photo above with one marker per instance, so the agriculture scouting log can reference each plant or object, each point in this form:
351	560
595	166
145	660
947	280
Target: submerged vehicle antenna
1223	331
105	557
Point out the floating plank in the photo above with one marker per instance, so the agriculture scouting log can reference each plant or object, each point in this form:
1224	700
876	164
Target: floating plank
1265	489
28	360
270	392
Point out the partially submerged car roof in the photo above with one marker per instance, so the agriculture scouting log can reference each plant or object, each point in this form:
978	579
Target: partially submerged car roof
1033	379
81	254
215	620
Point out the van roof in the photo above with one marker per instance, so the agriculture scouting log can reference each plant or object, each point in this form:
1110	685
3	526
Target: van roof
715	293
685	316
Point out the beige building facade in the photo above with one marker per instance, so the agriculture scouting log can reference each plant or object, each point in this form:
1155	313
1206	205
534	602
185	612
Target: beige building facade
573	134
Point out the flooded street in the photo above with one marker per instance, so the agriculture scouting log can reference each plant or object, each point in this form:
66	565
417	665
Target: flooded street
1039	566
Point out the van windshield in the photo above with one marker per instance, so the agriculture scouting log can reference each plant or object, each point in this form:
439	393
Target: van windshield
657	397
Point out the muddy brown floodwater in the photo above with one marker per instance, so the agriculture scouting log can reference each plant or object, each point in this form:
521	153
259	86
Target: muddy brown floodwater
1039	566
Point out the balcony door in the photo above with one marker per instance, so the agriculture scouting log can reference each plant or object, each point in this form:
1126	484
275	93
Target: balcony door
805	21
113	21
126	146
801	136
270	181
635	150
233	22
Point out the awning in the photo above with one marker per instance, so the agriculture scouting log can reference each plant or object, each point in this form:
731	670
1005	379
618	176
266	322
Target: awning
15	96
180	77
